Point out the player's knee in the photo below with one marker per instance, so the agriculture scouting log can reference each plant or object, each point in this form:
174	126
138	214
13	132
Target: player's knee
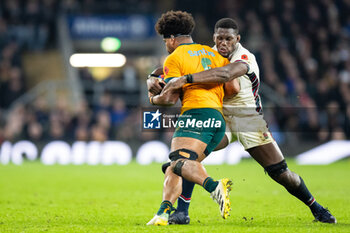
289	180
281	174
165	166
276	170
177	166
179	157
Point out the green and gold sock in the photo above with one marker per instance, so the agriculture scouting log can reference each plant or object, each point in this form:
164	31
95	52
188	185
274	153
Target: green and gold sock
165	208
209	184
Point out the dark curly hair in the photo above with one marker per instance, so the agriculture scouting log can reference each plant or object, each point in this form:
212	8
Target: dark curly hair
175	23
227	23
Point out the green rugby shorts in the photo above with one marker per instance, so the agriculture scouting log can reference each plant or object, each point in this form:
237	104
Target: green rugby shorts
204	124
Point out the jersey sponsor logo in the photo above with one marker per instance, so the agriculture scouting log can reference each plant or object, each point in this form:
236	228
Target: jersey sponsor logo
200	52
244	57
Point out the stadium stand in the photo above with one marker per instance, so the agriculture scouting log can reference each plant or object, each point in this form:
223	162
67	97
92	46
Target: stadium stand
303	49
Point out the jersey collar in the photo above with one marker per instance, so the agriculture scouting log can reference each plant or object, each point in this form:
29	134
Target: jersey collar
187	43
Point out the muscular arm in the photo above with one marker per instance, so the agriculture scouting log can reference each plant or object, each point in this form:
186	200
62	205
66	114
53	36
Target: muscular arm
217	75
167	97
232	88
221	74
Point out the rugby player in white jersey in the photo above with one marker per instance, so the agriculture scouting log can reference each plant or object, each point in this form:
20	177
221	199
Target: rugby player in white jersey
244	119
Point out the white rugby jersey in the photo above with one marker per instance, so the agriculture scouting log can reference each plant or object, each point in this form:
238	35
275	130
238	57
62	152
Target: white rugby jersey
247	101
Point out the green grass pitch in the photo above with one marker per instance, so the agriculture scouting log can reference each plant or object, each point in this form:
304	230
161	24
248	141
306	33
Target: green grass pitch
38	198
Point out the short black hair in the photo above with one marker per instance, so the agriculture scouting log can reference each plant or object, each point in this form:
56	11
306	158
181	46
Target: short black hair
227	23
175	23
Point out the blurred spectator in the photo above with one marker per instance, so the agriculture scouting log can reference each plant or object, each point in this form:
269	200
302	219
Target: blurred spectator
103	121
98	133
41	110
104	103
13	88
35	132
119	111
14	126
56	130
82	134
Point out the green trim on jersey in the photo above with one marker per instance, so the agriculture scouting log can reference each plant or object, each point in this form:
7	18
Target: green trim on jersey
168	79
187	43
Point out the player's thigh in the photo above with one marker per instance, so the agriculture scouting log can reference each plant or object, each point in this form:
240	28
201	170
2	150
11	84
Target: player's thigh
223	143
217	137
267	154
201	138
256	138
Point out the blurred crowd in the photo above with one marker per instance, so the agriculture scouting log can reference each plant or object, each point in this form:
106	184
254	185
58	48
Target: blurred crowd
24	25
302	48
31	25
110	119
